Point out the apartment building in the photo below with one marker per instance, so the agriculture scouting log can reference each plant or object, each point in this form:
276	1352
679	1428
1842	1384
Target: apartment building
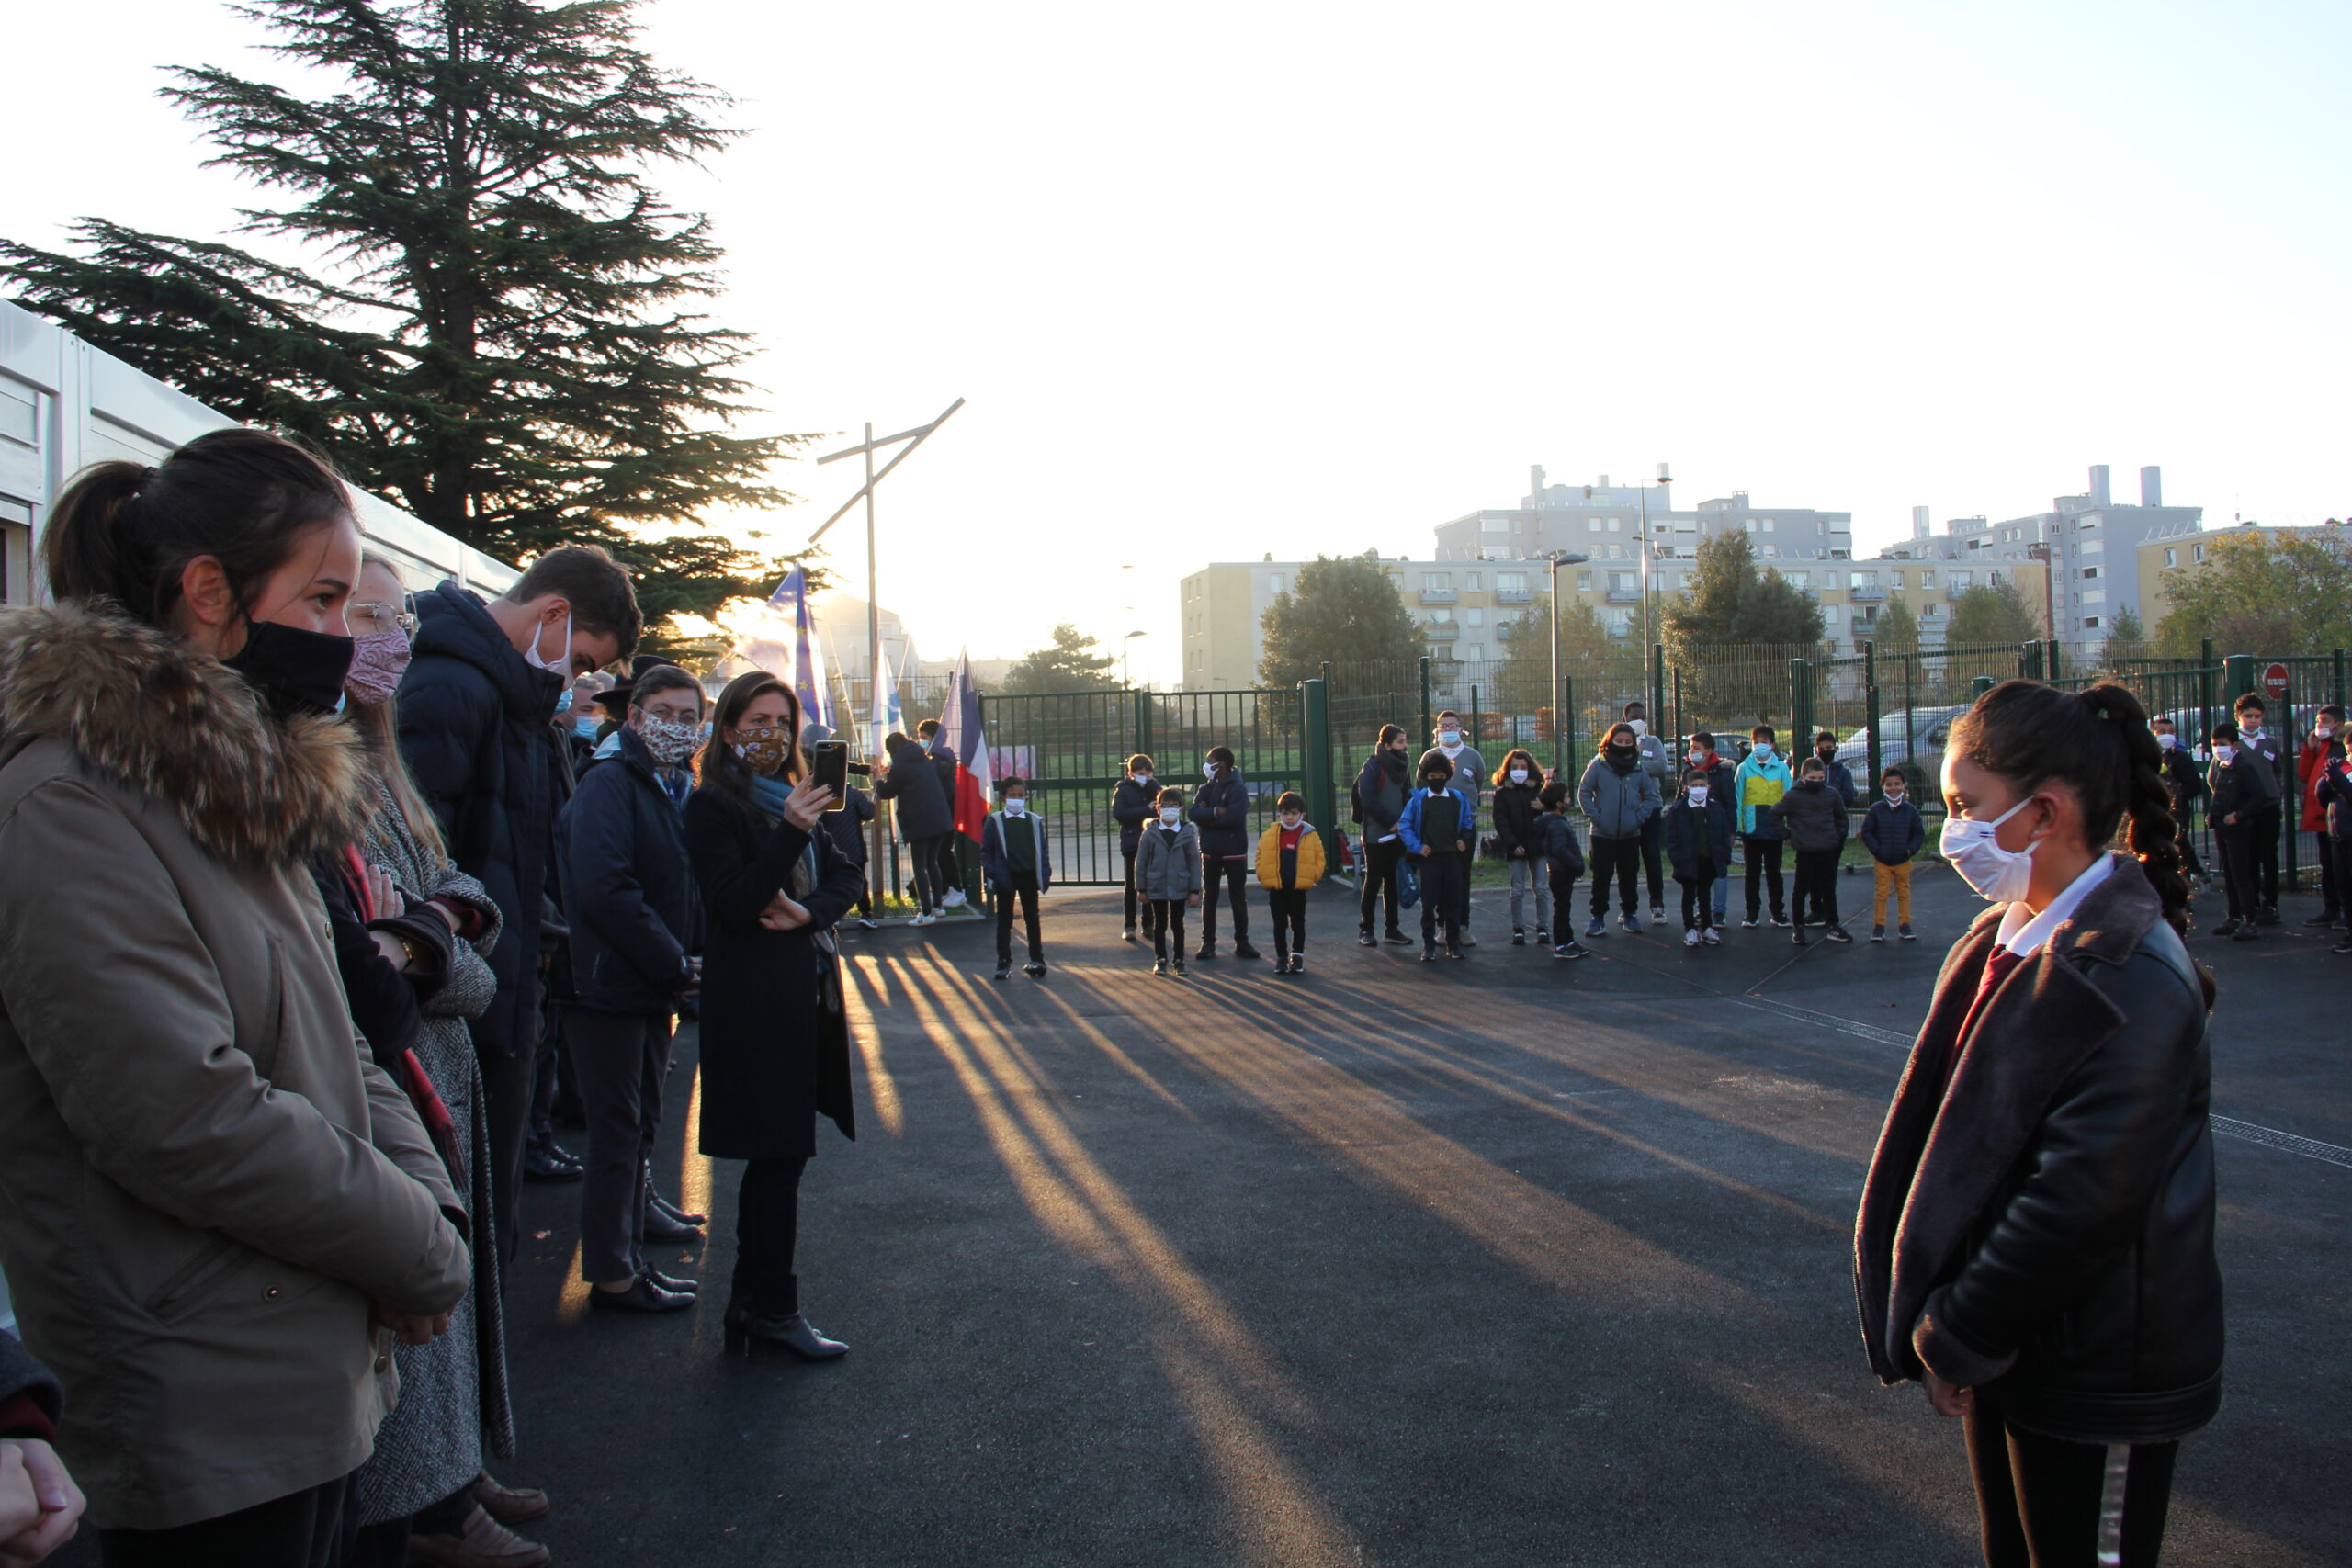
2174	553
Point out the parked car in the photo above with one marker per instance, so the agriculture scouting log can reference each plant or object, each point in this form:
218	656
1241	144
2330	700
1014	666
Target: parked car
1921	757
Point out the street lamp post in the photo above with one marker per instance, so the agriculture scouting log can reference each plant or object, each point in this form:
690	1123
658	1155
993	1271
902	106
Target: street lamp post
1559	742
1649	563
1126	672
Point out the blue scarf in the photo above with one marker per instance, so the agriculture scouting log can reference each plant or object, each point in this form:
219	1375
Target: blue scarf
769	792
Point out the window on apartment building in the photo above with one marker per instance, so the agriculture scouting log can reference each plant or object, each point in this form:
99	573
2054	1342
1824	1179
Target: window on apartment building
1768	525
1274	582
1771	552
2091	621
1932	611
1799	578
2093	547
1898	578
2172	558
1833	579
1476	651
1866	579
1474	617
1584	582
2089	571
1510	582
2196	552
1615	523
2095	596
1927	577
1621	581
1592	525
1470	582
1750	526
1619	621
1437	582
1829	614
1440	617
1963	580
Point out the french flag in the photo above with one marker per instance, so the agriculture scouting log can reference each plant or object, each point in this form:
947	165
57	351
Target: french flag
791	597
959	731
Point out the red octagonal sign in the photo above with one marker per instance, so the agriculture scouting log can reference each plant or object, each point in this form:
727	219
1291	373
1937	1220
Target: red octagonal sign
2274	680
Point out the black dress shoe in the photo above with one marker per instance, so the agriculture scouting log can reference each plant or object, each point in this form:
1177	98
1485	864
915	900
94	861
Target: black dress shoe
643	1295
660	1226
542	1165
1243	950
673	1212
1398	939
672	1284
1208	951
1034	969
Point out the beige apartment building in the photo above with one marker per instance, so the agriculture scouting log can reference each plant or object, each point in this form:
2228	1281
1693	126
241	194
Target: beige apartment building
2158	557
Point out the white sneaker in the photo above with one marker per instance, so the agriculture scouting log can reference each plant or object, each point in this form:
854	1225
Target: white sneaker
924	920
1709	938
952	899
1657	913
1691	937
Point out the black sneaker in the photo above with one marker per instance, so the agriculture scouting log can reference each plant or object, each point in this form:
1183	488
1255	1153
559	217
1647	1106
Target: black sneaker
1571	949
1428	953
1782	921
1398	939
1518	937
1905	933
2267	917
1034	969
1160	967
2229	927
1797	937
1749	924
1837	933
1208	952
1178	963
1004	971
2325	918
1453	950
1365	939
1243	950
2344	946
2246	933
1543	937
1878	933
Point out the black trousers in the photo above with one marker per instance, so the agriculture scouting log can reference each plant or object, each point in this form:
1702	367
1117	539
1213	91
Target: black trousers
2331	880
1024	890
506	1091
1697	902
1652	836
922	871
1564	913
1444	878
1286	911
2042	1503
623	1059
2265	824
1380	861
1615	858
1816	889
2233	847
2188	844
2338	853
951	869
303	1530
767	1231
1217	870
1166	918
1128	907
1764	862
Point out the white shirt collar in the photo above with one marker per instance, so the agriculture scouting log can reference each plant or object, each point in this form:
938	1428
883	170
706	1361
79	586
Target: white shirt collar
2023	932
1452	752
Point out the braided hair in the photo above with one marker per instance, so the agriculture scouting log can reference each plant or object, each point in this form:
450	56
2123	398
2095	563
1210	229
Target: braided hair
2098	743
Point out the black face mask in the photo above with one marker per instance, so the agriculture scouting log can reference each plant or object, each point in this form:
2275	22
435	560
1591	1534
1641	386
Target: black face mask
299	673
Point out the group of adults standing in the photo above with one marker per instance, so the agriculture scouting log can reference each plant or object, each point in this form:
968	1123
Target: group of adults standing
299	864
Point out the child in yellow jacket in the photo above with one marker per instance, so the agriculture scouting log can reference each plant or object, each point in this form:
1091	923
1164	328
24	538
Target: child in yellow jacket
1290	861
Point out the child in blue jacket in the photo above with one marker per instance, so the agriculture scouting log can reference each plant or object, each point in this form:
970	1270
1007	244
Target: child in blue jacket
1438	828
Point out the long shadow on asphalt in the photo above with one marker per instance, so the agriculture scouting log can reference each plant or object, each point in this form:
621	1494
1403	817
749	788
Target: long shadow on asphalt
1511	1260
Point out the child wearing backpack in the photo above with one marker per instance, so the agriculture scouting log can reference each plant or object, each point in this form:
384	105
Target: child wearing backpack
1168	874
1698	840
1555	841
1290	861
1892	830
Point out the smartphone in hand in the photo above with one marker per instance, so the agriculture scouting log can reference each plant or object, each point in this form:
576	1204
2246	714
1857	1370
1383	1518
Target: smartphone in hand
829	766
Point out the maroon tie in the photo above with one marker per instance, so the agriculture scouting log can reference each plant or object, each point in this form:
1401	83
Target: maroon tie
1996	969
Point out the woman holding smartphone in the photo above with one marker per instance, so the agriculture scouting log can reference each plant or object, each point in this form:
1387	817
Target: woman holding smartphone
2036	1236
774	1032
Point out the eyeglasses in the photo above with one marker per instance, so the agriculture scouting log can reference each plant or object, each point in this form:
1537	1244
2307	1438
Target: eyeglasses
386	614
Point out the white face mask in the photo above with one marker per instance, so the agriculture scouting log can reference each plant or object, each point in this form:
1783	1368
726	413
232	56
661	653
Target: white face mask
1293	824
1698	759
1171	815
1764	750
561	663
1638	725
2250	731
1894	796
1143	778
2223	752
1998	875
2167	741
1698	794
1449	738
1518	775
1209	771
1016	808
2325	731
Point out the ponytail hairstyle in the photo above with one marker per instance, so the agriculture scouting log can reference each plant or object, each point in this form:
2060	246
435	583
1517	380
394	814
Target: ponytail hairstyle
2097	743
125	533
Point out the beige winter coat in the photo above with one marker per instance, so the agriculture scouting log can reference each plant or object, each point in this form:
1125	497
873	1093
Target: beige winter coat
203	1180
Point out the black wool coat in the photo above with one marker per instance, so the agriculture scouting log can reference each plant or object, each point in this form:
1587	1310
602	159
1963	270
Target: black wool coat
925	809
2041	1230
628	892
774	1039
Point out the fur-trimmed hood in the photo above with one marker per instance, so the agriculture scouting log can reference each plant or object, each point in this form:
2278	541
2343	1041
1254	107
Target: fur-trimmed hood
141	708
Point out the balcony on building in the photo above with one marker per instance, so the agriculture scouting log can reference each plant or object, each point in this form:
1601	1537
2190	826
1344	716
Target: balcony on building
1624	596
1438	596
1447	633
1514	596
1860	595
1953	590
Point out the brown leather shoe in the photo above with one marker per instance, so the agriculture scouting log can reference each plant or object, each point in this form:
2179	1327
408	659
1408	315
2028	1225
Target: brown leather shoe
509	1505
483	1543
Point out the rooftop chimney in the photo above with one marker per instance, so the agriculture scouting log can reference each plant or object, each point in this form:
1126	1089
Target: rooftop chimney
1920	527
1535	482
2099	485
2152	487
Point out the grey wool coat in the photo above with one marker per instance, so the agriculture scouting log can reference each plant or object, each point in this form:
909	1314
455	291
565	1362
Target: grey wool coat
454	1390
1166	869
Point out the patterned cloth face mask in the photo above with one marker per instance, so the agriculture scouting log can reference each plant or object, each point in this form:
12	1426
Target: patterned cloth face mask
762	750
669	741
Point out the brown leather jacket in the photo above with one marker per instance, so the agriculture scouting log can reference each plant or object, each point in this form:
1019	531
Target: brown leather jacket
206	1179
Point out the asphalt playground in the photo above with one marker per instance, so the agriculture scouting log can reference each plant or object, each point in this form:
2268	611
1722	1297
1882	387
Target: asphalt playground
1508	1261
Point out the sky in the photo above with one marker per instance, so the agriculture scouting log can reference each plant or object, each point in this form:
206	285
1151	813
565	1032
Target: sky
1237	279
